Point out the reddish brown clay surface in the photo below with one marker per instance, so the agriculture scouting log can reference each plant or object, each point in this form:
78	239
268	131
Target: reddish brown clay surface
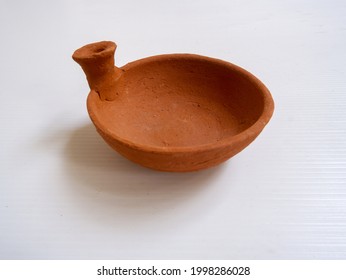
176	112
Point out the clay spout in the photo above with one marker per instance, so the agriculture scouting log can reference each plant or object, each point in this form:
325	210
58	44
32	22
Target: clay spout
97	62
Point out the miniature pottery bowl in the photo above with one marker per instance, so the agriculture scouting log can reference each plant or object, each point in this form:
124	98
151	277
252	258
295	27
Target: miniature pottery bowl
173	112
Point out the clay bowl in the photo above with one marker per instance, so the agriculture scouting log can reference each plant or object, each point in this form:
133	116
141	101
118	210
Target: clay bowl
173	112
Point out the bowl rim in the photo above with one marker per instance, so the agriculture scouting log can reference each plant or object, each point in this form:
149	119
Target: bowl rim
250	133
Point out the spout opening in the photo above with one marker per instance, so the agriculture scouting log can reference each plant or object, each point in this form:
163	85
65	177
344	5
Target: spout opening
94	51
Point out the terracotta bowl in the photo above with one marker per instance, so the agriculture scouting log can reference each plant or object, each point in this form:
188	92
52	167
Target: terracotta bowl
173	112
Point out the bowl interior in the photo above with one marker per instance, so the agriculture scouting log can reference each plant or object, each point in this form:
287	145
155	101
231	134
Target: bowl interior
180	101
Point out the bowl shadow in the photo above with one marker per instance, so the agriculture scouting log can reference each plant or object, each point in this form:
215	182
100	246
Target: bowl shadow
116	184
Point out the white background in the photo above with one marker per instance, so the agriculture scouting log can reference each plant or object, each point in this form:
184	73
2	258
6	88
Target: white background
64	194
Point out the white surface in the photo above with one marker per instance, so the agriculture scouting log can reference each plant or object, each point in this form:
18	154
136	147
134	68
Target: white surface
65	194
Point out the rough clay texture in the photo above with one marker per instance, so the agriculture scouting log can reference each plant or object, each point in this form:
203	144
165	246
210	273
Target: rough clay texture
177	112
